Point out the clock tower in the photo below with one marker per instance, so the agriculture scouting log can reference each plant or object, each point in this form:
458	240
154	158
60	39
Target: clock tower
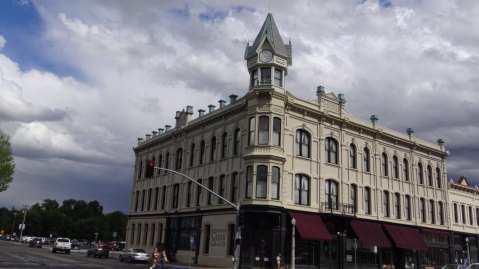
268	58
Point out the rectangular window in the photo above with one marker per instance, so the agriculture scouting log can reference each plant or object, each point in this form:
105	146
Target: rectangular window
456	219
145	235
157	193
148	202
261	181
175	196
137	198
407	207
132	234
249	182
199	193
254	77
231	239
422	210
463	211
206	249
142	200
397	205
265	75
386	204
432	209
163	197
189	194
222	188
276	131
211	186
470	216
263	130
275	183
367	201
153	231
138	236
441	213
252	128
234	188
278	78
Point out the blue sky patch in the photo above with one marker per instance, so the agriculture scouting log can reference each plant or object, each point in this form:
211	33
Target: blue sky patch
22	26
183	13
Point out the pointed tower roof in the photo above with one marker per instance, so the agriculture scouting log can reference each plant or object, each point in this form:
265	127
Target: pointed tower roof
269	31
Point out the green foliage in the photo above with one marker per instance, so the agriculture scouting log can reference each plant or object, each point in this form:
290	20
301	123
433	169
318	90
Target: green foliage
74	219
7	165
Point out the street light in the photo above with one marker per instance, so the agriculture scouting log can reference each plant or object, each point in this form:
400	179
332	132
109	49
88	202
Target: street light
293	244
13	224
467	248
236	207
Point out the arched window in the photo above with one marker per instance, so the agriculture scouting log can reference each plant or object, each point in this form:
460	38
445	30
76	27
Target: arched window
367	200
263	130
441	213
221	188
429	176
384	165
275	183
189	193
213	148
366	160
302	143
301	190
179	158
395	167
252	128
331	150
276	131
386	204
420	173
261	181
199	193
224	145
438	177
249	181
175	197
234	187
432	211
202	151
237	141
192	154
352	156
331	191
405	169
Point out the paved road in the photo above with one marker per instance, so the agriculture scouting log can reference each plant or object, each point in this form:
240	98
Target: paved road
14	255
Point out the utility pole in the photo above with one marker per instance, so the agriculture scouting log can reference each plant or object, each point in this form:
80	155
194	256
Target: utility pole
13	224
23	223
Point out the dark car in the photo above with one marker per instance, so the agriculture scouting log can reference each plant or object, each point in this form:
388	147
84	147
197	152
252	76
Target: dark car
35	243
76	244
98	250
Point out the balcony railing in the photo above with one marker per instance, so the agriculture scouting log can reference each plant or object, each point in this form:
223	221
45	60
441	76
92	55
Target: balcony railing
340	208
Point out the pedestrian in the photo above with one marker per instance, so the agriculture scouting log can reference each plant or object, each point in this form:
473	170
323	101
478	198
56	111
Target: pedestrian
155	258
163	259
278	260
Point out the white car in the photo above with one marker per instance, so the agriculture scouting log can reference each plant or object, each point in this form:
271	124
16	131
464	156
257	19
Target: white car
134	255
62	244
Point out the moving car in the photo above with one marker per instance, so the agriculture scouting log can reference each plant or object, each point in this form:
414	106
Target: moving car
62	244
98	250
134	255
35	242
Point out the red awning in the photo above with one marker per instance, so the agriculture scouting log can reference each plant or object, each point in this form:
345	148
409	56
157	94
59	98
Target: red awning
434	232
310	227
371	234
406	237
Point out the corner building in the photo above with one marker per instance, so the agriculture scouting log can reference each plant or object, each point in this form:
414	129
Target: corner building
359	193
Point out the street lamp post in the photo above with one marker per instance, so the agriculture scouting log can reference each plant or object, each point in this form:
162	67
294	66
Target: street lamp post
293	244
236	207
13	224
467	248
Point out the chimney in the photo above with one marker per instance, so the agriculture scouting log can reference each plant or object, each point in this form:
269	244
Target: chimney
155	133
410	131
233	98
341	97
201	112
140	140
189	110
320	89
178	114
374	119
161	130
211	108
148	136
167	128
222	103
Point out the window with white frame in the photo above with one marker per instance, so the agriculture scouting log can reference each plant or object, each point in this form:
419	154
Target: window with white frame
301	190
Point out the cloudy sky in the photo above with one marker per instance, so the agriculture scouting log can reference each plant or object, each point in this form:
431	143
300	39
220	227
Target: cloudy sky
80	81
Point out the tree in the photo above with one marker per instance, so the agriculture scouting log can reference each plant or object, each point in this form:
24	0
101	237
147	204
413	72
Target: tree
7	165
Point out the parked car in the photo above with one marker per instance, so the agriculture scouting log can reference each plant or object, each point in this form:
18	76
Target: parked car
454	266
134	255
62	244
98	250
76	244
473	266
35	242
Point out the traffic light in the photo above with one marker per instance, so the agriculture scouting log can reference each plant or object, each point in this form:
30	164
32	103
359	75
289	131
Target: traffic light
150	168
